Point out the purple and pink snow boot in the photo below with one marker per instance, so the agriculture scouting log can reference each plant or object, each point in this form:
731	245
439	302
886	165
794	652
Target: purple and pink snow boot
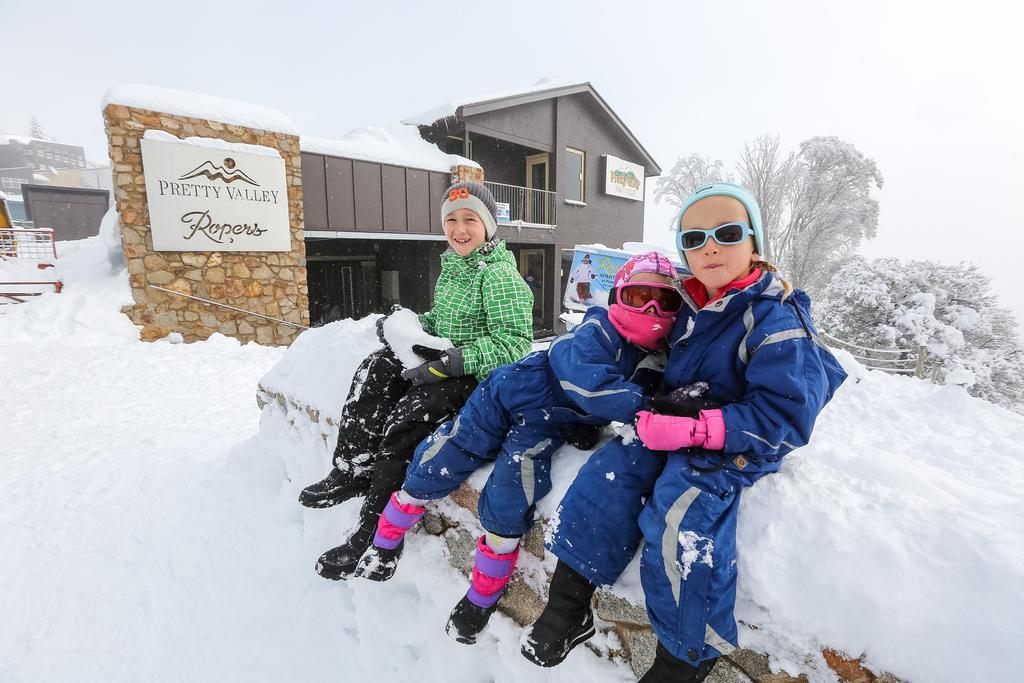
380	561
491	573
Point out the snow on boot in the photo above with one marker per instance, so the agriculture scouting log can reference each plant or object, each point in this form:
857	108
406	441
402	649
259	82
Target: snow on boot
565	622
381	560
669	669
336	487
340	562
491	573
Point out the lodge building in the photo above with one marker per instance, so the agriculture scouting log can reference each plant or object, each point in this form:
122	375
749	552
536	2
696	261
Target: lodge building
563	166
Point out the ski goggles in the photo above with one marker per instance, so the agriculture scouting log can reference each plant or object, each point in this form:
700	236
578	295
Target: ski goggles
640	296
725	234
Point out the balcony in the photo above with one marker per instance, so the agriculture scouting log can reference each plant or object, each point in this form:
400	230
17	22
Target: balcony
527	207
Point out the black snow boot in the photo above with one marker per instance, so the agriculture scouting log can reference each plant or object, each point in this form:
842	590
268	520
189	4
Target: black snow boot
565	622
379	564
468	620
341	562
336	487
669	669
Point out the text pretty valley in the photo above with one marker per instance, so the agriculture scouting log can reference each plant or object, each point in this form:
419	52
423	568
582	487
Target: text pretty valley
173	189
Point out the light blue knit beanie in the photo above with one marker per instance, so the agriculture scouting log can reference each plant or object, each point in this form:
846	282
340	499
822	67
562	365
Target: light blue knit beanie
724	190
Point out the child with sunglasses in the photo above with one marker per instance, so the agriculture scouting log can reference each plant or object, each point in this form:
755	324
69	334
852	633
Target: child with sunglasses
604	370
749	376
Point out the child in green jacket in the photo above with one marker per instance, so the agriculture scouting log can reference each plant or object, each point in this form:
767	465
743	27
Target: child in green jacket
484	307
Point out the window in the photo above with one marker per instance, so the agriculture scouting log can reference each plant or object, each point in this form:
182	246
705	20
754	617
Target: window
10	183
575	170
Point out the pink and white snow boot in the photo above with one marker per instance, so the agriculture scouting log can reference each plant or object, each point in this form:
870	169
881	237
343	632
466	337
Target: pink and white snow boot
380	561
491	573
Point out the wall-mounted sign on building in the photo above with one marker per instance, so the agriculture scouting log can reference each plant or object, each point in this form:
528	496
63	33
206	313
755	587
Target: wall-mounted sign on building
623	178
212	199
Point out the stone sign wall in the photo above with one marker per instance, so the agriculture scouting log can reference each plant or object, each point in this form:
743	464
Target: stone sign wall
271	284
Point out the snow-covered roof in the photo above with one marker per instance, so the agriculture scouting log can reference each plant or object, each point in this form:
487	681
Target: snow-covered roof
543	89
427	117
214	143
6	139
389	144
195	105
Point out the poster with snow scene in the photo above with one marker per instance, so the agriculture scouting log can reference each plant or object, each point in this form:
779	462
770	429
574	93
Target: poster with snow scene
214	199
591	277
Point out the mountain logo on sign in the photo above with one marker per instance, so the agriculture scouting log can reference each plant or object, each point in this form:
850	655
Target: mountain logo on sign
227	173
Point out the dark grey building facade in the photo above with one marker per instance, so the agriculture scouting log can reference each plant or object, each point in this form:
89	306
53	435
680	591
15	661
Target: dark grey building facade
373	231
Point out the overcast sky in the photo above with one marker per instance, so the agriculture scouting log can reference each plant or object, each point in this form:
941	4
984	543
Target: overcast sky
931	91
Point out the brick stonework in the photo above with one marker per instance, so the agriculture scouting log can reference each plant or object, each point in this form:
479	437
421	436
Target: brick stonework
271	283
462	173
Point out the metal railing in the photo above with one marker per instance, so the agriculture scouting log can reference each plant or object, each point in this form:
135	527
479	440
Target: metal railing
35	246
893	361
527	207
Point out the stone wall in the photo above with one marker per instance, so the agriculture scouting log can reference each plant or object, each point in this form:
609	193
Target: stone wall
269	283
523	602
462	173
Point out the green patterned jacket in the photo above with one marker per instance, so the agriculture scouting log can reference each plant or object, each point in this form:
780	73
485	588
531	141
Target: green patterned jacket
484	306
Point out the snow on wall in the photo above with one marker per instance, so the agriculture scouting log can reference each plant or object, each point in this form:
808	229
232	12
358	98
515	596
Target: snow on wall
213	143
897	533
388	144
199	106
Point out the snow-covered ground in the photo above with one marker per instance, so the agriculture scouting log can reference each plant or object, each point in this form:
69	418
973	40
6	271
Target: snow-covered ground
146	534
150	531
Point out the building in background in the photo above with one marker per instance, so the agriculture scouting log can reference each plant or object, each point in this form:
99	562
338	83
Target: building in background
563	166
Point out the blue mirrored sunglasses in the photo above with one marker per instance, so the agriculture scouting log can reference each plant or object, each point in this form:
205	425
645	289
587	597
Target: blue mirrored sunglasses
725	234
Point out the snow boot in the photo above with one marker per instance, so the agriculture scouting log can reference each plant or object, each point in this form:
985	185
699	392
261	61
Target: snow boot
669	669
565	622
491	573
340	562
380	561
336	487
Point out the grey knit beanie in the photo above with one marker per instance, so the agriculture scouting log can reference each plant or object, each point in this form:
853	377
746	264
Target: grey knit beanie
473	196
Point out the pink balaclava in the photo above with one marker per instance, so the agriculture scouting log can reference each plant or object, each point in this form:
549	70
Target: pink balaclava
642	328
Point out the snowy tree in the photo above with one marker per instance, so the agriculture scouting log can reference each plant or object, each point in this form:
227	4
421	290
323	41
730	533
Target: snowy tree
949	310
687	175
816	204
829	210
770	174
35	129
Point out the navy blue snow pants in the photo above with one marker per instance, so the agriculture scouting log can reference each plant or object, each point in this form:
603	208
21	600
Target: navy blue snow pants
625	495
510	420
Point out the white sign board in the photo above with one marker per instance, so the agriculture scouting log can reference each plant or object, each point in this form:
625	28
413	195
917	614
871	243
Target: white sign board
623	178
208	199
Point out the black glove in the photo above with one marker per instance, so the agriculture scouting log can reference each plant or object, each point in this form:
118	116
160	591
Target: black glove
685	401
583	436
448	365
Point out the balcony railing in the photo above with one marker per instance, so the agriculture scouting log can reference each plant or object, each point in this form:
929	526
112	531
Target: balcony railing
527	207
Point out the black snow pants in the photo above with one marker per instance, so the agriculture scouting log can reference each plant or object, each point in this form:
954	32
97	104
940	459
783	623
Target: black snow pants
385	417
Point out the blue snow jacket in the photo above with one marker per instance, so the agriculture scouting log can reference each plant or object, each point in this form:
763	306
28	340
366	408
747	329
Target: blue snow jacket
518	417
761	356
593	369
766	366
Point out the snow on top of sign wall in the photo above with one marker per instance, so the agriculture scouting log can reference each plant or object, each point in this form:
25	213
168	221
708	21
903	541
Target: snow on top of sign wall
196	105
388	144
630	248
448	108
214	143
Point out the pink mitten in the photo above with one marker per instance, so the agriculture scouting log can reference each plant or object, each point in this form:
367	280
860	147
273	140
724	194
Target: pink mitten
670	433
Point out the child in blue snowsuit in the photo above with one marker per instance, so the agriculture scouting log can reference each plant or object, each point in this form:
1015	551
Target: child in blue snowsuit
750	376
604	370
